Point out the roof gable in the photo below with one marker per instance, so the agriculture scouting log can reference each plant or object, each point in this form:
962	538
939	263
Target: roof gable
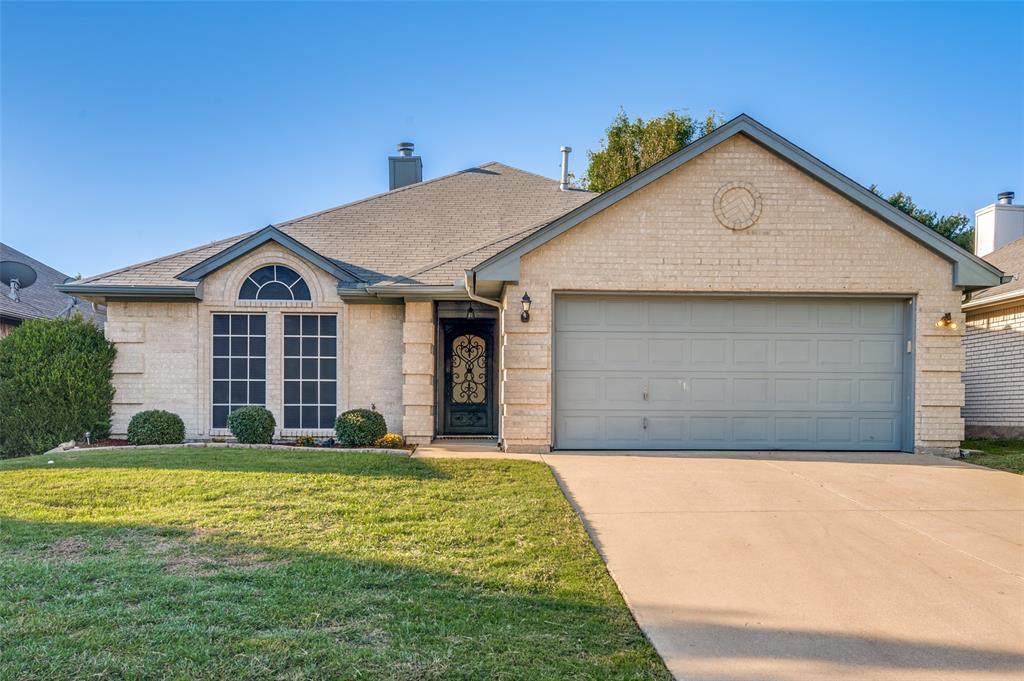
250	243
969	271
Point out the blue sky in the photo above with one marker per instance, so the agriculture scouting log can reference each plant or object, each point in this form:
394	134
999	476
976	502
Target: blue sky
133	130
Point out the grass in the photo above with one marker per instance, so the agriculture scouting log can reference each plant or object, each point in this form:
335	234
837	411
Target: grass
230	563
1006	455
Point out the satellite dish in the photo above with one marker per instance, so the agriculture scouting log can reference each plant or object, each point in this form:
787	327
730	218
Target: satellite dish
25	275
17	275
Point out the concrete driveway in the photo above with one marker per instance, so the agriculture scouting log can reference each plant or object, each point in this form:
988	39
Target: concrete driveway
821	566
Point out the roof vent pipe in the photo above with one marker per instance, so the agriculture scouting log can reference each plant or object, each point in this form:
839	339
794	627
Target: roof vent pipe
563	184
1005	198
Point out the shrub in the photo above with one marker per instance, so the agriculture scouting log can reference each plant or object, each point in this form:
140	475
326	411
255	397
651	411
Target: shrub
252	425
390	441
156	427
305	441
360	427
55	385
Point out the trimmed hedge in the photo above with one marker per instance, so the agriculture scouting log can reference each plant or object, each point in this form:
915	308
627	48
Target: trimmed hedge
55	385
156	427
252	425
360	427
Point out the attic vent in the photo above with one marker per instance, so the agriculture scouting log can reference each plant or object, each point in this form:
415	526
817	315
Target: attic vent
404	169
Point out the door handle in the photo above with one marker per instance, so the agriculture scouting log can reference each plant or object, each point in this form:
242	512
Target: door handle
645	422
645	394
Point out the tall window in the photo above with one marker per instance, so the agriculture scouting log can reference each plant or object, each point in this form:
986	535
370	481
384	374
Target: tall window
239	363
274	282
310	370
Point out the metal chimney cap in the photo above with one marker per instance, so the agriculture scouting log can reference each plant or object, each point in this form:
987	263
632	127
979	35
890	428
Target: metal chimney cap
1005	198
405	148
566	149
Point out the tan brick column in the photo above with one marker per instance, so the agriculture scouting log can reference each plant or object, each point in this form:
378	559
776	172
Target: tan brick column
418	335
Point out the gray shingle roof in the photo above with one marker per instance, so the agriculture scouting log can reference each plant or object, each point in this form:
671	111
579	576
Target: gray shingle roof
1010	259
425	233
41	300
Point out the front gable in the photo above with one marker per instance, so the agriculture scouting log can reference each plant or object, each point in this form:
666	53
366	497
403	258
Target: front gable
266	235
730	195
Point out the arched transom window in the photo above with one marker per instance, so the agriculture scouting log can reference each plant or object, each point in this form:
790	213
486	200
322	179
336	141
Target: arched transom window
274	282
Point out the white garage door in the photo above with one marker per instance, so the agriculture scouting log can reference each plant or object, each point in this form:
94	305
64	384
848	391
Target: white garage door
637	372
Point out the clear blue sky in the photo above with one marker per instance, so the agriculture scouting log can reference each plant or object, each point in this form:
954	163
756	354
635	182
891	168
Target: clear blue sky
133	130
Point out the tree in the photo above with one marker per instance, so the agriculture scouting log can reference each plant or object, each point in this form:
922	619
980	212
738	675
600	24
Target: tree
956	227
55	384
631	146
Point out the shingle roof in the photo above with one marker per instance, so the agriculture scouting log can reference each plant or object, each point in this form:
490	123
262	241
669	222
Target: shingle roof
1010	259
422	233
41	299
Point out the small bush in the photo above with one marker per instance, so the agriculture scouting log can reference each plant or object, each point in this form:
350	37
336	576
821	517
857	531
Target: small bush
156	427
390	441
252	425
360	427
305	441
55	385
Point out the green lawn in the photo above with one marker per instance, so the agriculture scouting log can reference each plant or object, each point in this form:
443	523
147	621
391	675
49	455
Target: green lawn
237	564
1006	455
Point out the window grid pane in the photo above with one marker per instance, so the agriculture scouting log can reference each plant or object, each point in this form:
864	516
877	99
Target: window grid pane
310	358
239	364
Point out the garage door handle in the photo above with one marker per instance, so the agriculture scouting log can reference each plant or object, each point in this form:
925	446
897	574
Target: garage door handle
645	394
645	423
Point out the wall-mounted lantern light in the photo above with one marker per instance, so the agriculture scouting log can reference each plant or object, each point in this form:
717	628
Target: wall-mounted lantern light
470	312
525	316
947	322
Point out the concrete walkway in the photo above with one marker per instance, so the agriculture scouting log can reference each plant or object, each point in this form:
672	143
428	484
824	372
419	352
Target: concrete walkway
785	566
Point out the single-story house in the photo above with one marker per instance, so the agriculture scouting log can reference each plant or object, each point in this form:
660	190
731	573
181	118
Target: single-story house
994	338
28	291
739	294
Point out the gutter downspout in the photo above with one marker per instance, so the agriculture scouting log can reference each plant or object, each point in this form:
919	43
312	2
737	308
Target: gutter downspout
469	281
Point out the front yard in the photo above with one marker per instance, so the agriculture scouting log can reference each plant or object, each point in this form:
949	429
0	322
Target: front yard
230	563
1006	455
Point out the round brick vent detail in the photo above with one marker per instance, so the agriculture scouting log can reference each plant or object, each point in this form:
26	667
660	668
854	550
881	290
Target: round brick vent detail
737	205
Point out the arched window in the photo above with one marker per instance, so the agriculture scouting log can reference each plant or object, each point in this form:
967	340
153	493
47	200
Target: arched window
274	282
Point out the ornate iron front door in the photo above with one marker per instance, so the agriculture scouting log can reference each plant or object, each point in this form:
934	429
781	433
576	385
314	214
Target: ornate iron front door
468	378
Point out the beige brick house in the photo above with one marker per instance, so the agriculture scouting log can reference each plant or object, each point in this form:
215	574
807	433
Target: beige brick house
739	294
994	337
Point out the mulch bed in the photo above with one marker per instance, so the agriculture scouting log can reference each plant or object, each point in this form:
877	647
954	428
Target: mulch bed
104	442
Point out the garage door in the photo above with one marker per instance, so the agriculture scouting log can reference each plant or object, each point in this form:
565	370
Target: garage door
705	373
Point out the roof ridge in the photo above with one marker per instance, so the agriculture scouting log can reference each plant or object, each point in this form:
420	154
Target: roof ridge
543	177
128	268
391	192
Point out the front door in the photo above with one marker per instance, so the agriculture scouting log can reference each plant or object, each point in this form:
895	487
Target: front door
468	395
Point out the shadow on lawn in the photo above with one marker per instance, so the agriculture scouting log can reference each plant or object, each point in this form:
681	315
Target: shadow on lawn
112	591
198	606
330	461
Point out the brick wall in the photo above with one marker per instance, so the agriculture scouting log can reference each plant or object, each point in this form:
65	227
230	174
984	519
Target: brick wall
665	237
418	359
994	373
165	349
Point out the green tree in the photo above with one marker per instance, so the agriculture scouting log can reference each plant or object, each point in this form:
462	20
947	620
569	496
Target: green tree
631	146
55	385
956	227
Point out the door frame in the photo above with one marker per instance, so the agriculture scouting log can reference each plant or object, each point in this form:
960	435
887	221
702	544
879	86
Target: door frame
908	435
455	311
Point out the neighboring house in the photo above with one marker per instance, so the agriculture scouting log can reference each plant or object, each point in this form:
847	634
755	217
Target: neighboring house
38	298
994	339
739	294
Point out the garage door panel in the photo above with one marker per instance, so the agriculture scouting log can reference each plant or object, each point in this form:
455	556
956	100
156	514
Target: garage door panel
751	374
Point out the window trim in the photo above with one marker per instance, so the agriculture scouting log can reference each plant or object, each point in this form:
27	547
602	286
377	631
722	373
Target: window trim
285	404
299	279
213	404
